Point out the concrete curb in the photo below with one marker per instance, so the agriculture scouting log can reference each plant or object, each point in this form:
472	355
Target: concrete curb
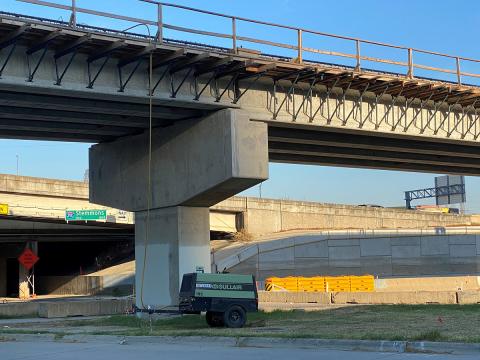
330	344
443	347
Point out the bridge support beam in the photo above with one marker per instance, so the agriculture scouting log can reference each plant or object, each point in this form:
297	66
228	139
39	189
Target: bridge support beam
194	164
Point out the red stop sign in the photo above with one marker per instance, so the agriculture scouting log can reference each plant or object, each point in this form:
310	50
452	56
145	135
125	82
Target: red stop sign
28	258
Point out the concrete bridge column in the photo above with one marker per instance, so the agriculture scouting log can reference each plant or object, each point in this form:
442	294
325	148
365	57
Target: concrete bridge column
195	164
178	242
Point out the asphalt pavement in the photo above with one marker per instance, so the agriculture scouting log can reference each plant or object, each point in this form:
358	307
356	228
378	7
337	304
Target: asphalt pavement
38	350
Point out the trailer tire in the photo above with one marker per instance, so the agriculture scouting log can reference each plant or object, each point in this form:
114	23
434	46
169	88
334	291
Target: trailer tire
235	317
214	319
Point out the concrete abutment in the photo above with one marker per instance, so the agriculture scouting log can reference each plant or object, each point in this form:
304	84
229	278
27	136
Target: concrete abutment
195	164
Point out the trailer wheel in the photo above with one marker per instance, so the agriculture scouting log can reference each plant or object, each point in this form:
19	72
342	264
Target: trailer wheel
214	319
235	317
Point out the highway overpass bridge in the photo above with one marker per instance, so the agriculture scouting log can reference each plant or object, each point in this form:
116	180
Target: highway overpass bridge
181	126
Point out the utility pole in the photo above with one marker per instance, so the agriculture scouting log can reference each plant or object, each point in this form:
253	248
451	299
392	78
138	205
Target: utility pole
17	164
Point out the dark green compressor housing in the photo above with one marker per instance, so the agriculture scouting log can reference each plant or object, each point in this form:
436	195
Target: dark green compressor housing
226	298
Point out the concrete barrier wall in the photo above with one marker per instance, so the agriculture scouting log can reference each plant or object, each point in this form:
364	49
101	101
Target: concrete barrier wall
84	308
263	216
67	308
19	309
444	283
384	256
371	298
288	300
468	297
294	297
410	297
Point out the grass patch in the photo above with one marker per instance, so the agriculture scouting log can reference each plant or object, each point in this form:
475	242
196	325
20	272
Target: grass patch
457	323
433	335
59	336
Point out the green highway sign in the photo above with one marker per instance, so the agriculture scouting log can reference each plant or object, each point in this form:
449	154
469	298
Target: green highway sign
85	215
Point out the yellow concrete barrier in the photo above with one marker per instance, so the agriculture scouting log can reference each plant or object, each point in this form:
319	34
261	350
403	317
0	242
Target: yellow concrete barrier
364	283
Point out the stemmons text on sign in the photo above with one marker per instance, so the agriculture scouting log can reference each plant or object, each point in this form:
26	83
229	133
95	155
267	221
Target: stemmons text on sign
85	215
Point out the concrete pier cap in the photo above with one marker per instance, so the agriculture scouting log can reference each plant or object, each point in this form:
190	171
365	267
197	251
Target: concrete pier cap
195	164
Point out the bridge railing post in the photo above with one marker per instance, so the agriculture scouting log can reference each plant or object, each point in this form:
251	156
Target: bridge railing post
410	63
234	35
459	74
357	54
159	23
73	16
300	46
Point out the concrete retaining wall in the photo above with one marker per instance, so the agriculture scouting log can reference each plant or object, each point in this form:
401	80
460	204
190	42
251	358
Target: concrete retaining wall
383	255
264	216
116	285
69	285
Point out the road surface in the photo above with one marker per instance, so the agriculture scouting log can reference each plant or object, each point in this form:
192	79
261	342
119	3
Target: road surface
144	351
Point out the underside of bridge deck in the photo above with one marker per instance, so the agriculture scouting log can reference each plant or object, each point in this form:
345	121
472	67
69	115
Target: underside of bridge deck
326	146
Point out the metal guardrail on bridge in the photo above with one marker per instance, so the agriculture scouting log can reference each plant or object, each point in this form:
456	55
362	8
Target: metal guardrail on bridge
406	61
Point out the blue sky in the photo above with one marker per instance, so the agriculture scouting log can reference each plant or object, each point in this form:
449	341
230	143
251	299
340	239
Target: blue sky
426	24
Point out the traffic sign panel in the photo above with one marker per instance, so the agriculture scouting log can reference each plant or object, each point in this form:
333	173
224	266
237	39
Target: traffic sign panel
28	258
85	215
3	209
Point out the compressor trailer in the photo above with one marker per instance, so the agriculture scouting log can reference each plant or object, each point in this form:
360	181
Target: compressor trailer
226	298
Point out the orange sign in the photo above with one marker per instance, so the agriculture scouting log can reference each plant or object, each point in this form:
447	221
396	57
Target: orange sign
28	258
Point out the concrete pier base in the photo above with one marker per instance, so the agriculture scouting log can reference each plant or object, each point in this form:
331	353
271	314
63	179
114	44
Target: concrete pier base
176	242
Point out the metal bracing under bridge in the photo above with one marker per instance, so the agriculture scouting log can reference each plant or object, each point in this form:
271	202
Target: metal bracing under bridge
456	189
84	83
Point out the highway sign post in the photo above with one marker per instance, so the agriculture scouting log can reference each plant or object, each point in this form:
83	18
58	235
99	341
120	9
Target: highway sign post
3	209
28	259
85	215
